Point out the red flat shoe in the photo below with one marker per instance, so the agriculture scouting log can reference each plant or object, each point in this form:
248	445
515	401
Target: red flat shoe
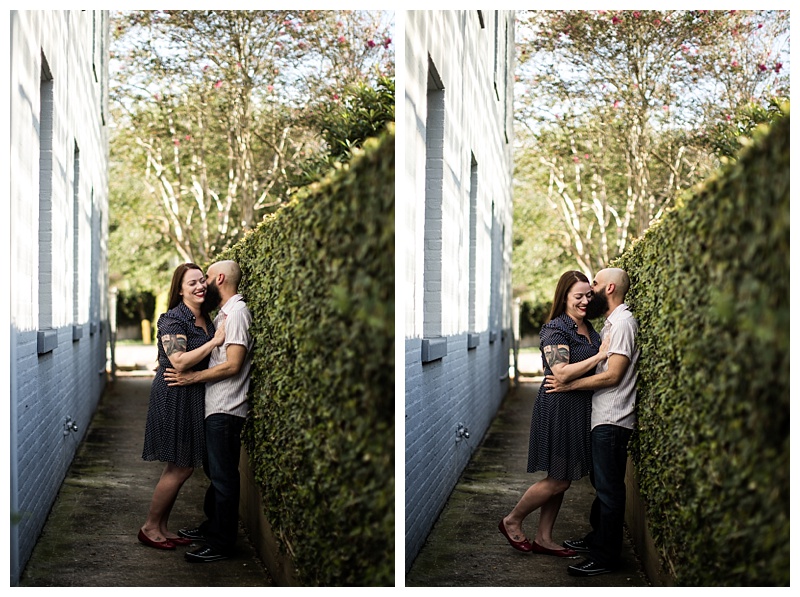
157	544
523	545
180	540
559	553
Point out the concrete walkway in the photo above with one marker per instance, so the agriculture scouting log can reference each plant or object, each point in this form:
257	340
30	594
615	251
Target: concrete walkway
465	549
89	539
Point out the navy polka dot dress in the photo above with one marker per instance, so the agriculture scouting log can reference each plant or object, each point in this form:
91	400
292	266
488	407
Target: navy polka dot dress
561	421
174	430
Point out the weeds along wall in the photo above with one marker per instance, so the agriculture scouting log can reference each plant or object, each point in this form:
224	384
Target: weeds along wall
710	287
318	276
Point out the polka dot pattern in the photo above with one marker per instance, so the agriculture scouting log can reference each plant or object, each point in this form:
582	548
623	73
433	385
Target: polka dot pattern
561	422
174	431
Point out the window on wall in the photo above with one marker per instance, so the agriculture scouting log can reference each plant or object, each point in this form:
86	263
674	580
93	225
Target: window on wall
47	337
434	184
496	50
95	236
473	241
76	230
505	82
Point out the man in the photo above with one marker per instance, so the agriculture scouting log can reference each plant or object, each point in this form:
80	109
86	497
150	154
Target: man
613	419
227	379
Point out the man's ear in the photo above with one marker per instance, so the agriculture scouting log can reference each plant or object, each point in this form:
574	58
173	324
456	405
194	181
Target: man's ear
610	288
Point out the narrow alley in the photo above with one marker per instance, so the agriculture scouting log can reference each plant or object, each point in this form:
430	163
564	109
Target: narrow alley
89	538
465	548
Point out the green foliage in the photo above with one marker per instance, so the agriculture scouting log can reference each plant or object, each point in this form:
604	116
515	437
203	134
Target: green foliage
626	108
532	317
710	287
728	137
213	116
362	111
319	279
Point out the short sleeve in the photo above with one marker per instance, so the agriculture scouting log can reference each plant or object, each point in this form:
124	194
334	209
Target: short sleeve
623	338
168	325
237	328
551	335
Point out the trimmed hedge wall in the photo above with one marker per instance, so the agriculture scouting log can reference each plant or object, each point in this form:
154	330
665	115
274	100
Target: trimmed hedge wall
318	276
710	287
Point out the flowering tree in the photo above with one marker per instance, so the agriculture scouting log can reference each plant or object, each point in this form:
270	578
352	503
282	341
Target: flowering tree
622	110
212	109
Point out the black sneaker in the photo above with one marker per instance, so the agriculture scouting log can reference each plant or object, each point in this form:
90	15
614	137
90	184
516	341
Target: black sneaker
206	553
193	534
577	545
587	568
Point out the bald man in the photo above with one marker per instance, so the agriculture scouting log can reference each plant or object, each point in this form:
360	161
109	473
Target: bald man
227	380
613	420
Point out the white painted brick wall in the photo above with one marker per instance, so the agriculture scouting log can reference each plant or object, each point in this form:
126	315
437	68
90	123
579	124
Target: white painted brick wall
466	386
68	381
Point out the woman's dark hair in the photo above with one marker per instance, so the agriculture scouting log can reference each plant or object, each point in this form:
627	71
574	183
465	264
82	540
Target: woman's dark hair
177	279
567	281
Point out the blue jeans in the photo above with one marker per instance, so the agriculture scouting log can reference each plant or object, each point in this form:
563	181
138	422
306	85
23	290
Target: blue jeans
221	465
609	459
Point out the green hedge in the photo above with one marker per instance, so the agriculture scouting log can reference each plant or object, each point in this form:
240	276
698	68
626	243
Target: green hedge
710	287
319	280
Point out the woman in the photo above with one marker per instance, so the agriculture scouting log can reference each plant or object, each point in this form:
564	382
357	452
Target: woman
174	432
561	422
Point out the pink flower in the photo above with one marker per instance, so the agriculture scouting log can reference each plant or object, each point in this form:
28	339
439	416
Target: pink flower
188	137
341	39
339	24
616	104
762	67
778	66
206	67
576	159
585	156
615	20
760	25
218	84
336	96
177	142
735	63
657	22
270	88
371	43
666	108
728	117
387	42
636	14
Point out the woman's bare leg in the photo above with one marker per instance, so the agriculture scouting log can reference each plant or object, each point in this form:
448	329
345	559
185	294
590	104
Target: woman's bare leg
172	479
547	519
535	497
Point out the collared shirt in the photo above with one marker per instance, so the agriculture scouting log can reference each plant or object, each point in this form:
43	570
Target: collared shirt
229	396
617	405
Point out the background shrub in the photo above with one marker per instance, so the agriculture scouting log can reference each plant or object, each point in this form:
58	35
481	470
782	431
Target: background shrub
710	287
319	280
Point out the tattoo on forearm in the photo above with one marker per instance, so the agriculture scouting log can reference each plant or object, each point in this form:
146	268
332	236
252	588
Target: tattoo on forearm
173	343
556	354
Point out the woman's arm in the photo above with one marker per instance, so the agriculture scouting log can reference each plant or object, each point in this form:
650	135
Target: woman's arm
175	348
557	357
617	366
